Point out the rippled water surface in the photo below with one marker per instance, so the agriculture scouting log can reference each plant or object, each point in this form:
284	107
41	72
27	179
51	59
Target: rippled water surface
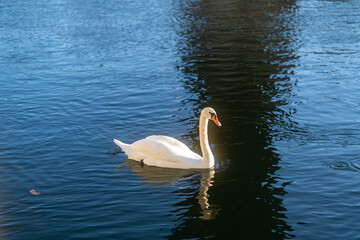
282	75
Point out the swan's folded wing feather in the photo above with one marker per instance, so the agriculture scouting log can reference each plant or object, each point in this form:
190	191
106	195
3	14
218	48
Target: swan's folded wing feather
163	148
170	141
152	150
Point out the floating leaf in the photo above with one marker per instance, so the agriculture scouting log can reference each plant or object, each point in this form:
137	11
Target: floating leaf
34	192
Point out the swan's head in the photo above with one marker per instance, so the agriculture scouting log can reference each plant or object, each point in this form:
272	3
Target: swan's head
210	114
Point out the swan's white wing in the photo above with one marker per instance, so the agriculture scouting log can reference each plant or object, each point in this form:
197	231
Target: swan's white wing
164	151
171	141
163	147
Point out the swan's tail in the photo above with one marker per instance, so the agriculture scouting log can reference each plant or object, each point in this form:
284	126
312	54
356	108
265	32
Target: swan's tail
123	146
128	150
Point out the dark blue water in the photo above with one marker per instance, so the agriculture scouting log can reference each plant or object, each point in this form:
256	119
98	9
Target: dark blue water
282	75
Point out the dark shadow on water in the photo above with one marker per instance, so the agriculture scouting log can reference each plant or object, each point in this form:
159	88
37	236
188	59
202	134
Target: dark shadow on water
237	57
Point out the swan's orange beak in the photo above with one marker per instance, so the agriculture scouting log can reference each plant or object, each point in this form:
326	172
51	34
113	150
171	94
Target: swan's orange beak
216	121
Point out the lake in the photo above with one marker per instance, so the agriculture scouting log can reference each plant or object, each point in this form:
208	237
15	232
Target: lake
283	76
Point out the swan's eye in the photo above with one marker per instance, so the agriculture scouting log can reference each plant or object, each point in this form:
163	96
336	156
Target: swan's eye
215	119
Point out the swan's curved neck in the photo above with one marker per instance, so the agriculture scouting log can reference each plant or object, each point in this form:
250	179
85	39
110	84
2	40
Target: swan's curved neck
208	157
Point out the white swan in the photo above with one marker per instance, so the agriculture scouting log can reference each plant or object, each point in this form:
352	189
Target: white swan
163	151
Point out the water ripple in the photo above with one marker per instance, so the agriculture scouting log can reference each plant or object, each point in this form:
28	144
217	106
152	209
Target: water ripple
345	165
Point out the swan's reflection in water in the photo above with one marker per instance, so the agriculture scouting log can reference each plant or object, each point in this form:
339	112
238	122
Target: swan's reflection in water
206	181
169	177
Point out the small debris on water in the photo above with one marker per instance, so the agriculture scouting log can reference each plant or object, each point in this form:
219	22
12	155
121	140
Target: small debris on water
34	192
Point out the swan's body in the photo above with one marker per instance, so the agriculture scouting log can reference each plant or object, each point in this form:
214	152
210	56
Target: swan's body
163	151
